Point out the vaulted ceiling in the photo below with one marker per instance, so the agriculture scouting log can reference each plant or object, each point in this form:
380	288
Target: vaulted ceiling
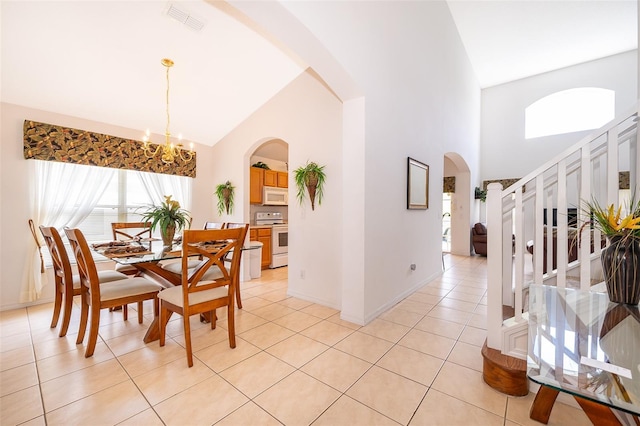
101	59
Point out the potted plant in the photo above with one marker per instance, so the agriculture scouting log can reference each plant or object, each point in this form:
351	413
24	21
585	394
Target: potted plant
225	192
621	258
169	216
311	178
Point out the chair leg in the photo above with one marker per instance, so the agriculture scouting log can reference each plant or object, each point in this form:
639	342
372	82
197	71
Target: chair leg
213	318
187	339
84	315
231	325
66	314
125	312
162	323
140	313
93	332
238	299
57	305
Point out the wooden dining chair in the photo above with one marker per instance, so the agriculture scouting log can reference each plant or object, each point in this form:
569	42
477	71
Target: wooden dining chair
125	231
67	284
213	225
232	225
198	295
95	296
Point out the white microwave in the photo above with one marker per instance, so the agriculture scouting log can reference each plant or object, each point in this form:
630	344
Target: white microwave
273	196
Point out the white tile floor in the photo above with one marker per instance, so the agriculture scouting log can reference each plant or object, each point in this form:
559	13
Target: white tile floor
295	363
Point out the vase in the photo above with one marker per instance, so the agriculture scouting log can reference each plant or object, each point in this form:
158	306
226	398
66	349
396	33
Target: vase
167	235
620	266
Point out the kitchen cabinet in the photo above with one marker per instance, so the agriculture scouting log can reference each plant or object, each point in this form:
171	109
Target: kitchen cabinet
256	182
262	235
283	180
270	178
259	178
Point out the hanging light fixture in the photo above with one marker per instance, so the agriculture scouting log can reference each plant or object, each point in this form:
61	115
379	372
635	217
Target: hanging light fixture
170	152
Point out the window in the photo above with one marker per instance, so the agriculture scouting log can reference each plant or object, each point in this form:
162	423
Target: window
569	111
123	200
91	198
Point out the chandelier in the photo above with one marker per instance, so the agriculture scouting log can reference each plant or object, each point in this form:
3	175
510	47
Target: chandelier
170	152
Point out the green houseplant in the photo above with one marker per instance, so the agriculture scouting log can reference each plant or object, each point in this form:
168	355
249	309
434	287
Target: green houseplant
225	192
621	258
310	177
169	216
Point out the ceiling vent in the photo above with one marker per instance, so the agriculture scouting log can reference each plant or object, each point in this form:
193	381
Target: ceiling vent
185	18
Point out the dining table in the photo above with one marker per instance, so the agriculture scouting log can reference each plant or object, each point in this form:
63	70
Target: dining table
150	256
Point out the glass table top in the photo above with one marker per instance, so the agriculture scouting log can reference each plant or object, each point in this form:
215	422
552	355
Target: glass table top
141	251
585	345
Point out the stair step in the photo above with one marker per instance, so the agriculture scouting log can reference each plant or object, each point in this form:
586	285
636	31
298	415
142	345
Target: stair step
504	373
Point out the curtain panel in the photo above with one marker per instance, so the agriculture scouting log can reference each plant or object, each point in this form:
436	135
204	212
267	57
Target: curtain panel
50	142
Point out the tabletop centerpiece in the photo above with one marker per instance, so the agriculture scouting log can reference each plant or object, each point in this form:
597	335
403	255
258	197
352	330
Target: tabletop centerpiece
169	216
621	258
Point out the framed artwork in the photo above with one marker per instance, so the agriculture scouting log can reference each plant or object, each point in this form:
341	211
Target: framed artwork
417	185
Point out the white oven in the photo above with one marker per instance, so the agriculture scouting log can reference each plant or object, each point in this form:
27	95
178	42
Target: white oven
279	246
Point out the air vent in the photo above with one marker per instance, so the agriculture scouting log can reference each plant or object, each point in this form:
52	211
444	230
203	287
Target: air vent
185	18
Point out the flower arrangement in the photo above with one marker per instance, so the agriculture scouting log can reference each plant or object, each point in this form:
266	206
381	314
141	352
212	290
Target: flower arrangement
169	216
621	258
612	223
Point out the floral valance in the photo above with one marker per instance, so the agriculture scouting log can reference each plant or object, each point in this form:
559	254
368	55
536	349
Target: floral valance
449	184
57	143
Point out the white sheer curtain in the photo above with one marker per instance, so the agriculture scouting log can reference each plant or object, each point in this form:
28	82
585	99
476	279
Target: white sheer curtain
159	185
64	195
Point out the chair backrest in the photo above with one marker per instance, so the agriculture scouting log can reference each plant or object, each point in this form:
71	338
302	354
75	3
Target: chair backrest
59	256
212	245
86	266
213	225
131	230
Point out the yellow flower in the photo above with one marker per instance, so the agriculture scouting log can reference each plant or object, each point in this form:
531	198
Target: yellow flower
628	222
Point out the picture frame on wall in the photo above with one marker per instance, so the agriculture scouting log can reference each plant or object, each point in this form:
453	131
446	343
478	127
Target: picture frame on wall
417	185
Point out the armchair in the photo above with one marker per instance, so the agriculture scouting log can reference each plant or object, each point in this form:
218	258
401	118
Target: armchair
479	238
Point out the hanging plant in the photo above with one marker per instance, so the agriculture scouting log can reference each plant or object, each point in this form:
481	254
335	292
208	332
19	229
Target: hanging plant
480	194
225	192
311	178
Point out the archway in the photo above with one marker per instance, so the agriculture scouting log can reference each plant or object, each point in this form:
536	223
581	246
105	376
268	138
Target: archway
460	220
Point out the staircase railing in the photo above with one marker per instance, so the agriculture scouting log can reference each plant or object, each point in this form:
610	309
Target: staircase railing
535	226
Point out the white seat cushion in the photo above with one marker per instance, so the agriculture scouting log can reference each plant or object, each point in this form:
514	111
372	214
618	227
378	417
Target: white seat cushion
103	276
176	267
173	295
127	287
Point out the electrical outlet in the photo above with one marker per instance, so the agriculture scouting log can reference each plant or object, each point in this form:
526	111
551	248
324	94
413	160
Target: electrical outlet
302	274
413	266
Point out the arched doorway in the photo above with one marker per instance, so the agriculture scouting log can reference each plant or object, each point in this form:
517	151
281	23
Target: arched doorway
459	207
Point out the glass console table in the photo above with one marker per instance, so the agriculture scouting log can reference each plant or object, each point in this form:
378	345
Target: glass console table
582	344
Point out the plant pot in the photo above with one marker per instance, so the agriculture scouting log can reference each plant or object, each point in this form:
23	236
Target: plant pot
621	268
312	185
167	235
226	196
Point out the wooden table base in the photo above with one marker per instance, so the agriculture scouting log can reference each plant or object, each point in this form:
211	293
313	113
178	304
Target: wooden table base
599	414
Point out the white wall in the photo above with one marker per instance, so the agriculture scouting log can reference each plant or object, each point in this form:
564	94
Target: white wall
421	99
503	109
308	117
16	175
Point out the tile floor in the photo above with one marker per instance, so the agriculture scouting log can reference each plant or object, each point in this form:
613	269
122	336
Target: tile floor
296	363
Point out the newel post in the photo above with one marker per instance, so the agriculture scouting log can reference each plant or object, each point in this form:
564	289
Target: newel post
494	266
